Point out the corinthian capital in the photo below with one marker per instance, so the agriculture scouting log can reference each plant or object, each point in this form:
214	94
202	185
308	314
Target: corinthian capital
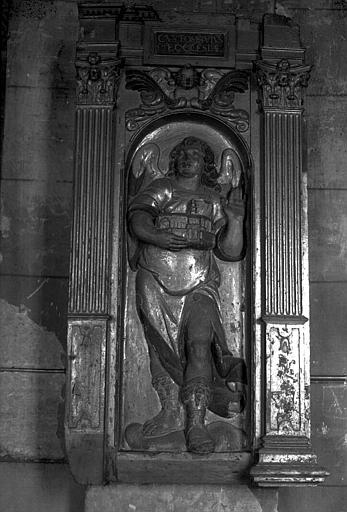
97	79
282	84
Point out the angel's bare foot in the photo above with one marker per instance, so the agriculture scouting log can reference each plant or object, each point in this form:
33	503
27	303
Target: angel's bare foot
167	421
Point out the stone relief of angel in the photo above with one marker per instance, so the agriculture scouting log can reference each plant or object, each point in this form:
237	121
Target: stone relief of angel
180	220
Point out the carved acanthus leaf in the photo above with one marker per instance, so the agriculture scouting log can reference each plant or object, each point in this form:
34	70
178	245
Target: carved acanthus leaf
210	90
97	80
282	84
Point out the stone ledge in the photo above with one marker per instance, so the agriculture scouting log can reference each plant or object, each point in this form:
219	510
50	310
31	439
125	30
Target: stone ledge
184	468
179	498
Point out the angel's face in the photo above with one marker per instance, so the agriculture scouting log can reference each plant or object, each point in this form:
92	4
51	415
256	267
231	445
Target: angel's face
190	162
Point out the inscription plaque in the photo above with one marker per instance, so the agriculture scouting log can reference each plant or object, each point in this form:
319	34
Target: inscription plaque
165	45
181	43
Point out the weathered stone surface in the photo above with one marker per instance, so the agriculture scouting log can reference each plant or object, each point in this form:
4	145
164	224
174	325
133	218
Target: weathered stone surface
163	467
303	4
24	343
313	499
212	6
179	498
42	300
85	454
36	238
327	218
38	134
326	141
187	17
329	429
46	37
323	33
178	5
31	410
328	327
38	488
251	6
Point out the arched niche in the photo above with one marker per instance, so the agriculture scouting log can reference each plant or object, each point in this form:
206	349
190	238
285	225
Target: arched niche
137	398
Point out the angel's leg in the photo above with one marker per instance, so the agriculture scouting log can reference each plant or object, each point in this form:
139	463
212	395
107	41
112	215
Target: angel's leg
151	309
196	391
170	417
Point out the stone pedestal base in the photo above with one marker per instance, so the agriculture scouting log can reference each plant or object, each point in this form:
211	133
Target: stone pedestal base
179	498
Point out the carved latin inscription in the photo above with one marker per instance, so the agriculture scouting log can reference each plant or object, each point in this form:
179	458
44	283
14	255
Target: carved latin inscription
183	43
167	44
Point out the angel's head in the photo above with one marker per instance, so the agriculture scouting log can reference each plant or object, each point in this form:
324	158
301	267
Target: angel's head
193	156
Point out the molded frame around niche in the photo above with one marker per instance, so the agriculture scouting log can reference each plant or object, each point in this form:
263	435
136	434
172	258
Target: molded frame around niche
166	132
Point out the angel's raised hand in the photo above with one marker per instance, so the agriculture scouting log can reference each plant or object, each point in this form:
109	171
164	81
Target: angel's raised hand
236	202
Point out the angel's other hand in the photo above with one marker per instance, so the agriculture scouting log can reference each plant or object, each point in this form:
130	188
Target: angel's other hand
170	241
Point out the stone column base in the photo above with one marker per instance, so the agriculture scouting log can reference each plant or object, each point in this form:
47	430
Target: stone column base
179	498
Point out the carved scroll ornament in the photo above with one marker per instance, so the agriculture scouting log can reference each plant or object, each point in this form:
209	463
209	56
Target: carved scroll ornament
209	90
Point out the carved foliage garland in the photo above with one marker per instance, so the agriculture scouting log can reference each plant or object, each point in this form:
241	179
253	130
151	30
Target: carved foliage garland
162	90
282	84
86	355
97	80
284	344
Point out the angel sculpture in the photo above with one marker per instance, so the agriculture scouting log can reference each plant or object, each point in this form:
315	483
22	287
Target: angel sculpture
178	222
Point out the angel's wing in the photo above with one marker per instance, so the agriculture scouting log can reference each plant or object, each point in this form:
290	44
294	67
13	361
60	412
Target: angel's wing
144	168
231	174
152	94
234	81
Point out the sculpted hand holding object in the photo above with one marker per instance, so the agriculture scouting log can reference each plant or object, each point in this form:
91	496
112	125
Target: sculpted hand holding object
178	222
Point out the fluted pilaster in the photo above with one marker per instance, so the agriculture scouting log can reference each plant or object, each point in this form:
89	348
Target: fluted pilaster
285	457
98	71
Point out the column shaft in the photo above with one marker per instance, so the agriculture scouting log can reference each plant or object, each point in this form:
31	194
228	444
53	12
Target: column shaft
89	292
285	457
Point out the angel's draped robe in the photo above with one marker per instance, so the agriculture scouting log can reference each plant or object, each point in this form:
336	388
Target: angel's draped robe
175	289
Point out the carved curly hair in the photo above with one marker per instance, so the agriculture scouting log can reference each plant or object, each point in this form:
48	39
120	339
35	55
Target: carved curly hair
210	174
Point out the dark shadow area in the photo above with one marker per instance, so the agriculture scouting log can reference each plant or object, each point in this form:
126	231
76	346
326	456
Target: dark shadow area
38	487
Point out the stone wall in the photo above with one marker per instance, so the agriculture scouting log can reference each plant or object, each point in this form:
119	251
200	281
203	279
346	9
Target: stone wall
37	166
323	31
